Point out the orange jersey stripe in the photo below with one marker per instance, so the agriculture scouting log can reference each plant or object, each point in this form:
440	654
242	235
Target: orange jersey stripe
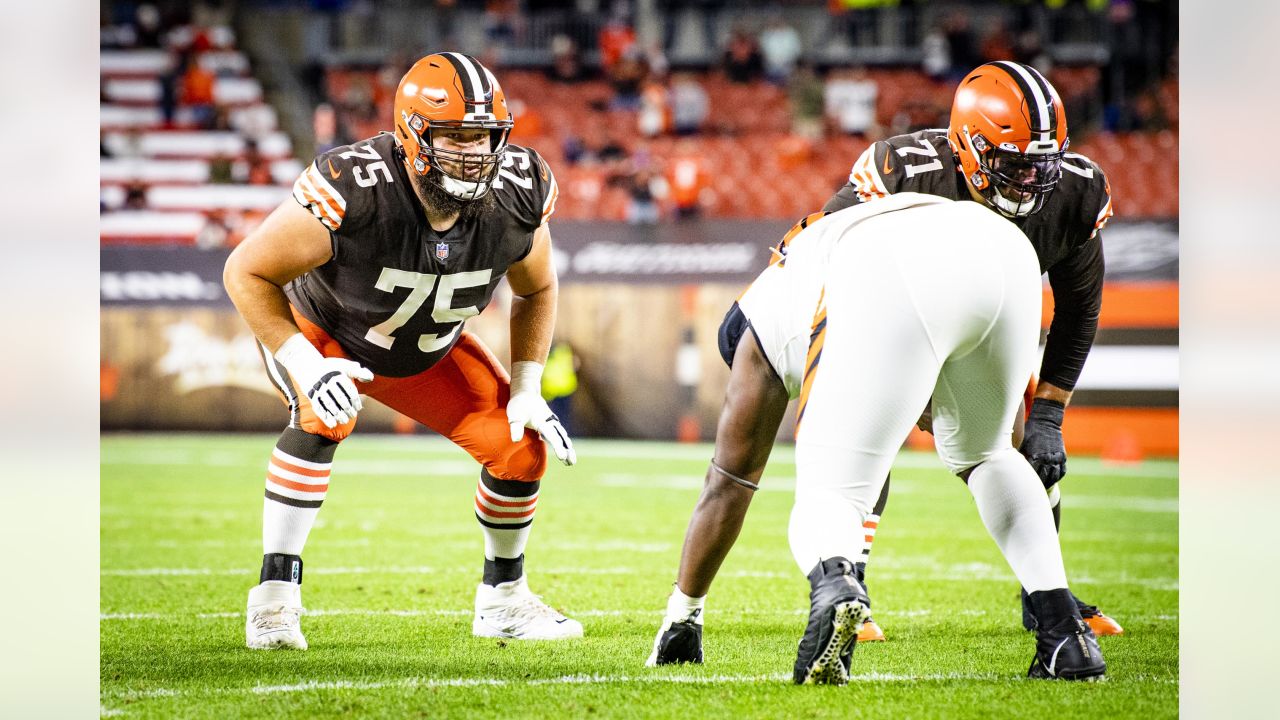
550	205
326	196
316	209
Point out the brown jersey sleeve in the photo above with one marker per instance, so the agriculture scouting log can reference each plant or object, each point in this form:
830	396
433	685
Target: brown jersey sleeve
1077	280
527	186
342	187
1077	301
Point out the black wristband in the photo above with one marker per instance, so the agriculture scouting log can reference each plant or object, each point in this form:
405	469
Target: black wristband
1046	410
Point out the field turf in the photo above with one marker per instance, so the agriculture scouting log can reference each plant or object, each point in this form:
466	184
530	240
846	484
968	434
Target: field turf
392	564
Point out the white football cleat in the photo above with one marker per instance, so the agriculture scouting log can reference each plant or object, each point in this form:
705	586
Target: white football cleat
273	618
511	610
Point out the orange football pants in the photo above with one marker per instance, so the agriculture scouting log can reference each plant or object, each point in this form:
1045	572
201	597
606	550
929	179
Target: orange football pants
462	397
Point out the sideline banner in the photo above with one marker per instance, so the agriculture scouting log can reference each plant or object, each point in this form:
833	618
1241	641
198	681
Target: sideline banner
702	251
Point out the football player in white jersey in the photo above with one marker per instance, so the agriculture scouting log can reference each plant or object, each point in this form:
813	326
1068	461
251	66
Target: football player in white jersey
864	316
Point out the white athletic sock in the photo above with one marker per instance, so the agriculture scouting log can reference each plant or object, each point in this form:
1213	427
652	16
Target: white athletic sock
681	607
1015	509
297	483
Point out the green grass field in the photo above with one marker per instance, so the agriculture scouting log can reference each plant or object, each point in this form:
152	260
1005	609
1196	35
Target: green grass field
393	562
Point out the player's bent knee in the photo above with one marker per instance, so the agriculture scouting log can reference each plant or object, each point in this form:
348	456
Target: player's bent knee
526	461
337	433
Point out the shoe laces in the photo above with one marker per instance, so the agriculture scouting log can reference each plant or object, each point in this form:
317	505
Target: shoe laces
522	608
274	617
532	605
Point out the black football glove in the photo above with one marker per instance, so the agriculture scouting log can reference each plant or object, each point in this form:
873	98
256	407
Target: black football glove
1042	442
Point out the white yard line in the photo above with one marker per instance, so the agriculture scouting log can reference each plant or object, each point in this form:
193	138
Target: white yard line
965	572
656	678
654	614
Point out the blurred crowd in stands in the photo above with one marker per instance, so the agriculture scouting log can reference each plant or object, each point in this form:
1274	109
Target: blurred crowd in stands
722	109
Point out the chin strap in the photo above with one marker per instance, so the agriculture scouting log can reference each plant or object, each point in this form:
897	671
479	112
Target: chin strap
741	481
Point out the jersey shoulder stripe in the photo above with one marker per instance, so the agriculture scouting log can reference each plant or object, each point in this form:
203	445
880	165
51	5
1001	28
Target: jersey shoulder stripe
549	206
865	175
316	194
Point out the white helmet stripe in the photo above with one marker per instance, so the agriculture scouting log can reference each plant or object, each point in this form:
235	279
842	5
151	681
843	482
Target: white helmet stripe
473	77
1038	98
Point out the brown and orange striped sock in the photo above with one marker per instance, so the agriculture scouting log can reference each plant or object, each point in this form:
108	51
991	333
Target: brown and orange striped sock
297	482
505	510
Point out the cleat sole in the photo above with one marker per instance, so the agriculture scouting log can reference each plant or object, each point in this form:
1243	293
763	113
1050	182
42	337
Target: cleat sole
846	620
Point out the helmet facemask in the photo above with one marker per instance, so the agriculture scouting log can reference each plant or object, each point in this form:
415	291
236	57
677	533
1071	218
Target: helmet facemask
465	175
1017	183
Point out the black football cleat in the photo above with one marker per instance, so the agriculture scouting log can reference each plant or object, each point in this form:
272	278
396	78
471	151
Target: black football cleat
1066	648
677	642
838	605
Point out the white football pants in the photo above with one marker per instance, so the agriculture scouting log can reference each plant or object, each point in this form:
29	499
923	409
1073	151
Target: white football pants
918	309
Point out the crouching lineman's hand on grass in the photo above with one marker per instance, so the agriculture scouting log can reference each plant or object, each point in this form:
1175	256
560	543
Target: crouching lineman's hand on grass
1042	444
325	380
527	409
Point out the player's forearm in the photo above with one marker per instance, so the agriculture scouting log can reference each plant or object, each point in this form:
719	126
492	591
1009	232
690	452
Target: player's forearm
755	402
1070	339
263	306
713	530
1077	304
533	322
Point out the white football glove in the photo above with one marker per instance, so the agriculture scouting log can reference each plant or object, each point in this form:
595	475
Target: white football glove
326	381
527	409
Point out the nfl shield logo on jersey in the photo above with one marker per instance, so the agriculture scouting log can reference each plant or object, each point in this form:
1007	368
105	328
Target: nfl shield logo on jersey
442	251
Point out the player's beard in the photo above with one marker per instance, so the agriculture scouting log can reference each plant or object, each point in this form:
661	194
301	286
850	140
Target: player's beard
439	202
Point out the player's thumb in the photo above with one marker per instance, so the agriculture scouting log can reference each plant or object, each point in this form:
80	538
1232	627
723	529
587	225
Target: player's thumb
355	370
517	429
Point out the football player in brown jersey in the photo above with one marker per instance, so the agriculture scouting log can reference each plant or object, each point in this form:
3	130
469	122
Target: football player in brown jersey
368	273
1007	147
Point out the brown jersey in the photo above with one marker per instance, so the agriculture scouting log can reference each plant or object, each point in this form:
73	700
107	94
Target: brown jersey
1064	232
396	293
